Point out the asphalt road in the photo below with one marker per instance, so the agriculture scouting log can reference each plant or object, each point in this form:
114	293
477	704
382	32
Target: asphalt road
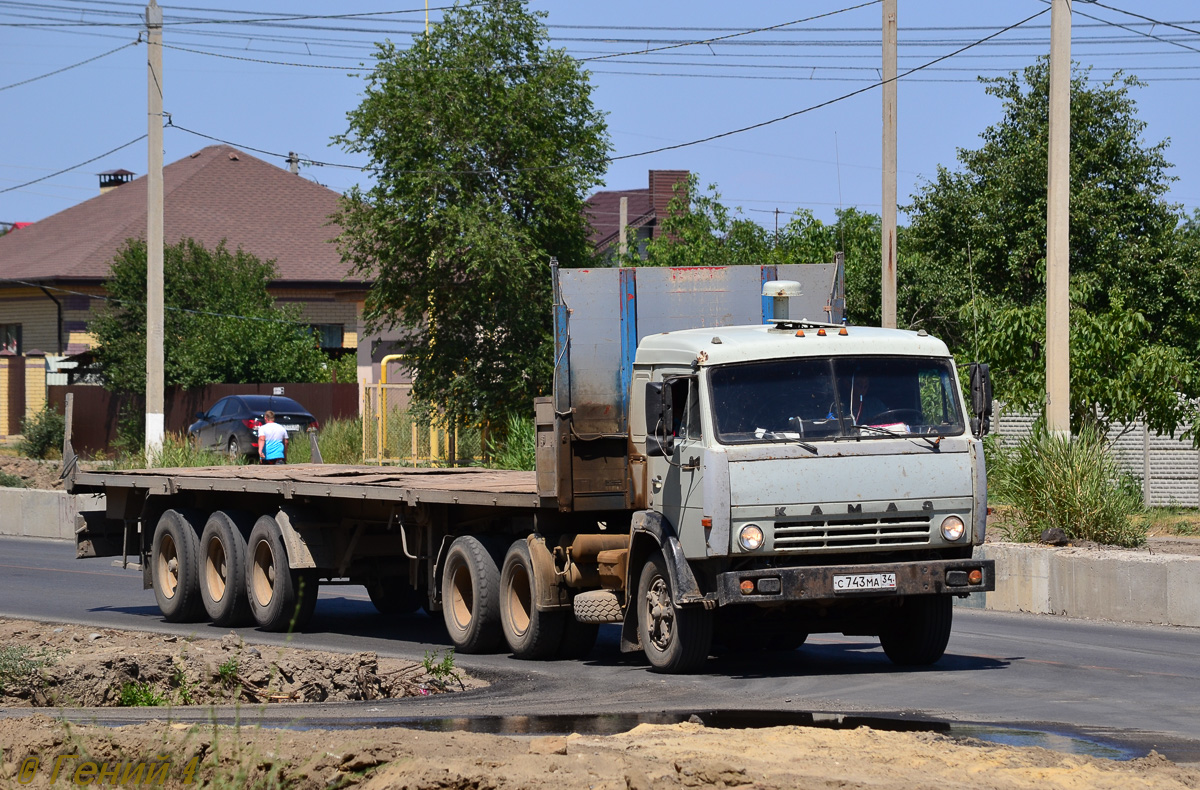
1133	685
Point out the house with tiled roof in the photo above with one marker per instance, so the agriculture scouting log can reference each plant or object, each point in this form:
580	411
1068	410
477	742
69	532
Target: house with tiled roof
52	271
644	210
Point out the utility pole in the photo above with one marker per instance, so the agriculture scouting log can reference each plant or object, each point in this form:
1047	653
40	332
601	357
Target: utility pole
154	236
888	240
1058	224
622	241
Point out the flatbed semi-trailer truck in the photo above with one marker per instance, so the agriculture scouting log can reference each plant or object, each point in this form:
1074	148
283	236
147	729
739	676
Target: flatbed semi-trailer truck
722	460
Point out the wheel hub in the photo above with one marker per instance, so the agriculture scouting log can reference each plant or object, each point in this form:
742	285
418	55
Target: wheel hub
661	612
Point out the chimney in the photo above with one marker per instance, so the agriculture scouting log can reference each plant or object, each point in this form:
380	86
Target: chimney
662	189
111	179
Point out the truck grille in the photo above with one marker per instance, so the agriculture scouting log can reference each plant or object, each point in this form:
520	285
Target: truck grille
865	531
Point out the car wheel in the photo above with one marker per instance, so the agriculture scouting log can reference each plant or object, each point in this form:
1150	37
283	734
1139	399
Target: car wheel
234	448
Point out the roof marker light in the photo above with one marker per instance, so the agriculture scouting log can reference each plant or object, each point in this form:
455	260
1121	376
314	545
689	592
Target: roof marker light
843	332
820	333
799	333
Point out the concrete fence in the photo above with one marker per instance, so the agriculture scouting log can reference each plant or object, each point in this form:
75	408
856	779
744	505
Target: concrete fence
30	513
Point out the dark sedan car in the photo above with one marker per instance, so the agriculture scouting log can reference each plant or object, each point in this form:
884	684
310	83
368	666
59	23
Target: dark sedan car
232	423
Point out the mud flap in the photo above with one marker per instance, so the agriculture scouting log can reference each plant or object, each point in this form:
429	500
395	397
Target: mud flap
648	532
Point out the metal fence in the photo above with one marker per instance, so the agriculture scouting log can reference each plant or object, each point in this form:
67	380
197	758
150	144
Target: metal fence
394	434
1169	468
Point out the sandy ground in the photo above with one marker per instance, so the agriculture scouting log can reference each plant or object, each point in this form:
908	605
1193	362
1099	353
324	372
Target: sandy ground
77	666
649	757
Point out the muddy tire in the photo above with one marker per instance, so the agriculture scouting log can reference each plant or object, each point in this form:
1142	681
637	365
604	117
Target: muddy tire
281	599
175	567
675	639
471	597
531	635
394	595
223	569
920	631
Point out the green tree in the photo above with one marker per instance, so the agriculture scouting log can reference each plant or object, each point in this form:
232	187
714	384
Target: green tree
978	236
481	142
220	324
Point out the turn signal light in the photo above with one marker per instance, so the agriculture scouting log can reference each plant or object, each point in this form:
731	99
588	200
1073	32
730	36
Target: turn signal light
975	576
706	521
747	587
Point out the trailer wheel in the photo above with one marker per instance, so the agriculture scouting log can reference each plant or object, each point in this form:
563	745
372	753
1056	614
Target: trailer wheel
281	599
675	639
223	569
530	634
471	597
175	568
920	631
394	595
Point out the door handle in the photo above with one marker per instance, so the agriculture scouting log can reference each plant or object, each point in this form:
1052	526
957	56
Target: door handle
692	464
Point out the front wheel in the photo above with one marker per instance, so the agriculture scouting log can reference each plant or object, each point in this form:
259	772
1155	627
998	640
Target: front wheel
281	599
675	639
920	631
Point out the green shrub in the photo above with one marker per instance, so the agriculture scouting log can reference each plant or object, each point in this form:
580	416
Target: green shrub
1072	483
141	695
516	448
10	481
42	433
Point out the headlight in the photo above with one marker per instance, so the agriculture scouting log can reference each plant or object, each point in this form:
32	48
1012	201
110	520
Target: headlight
751	537
953	528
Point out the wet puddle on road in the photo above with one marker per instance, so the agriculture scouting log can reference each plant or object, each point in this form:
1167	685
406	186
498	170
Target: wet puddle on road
612	723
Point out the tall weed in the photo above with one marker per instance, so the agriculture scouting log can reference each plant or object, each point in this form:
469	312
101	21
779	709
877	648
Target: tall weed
177	451
42	433
516	448
340	442
1072	483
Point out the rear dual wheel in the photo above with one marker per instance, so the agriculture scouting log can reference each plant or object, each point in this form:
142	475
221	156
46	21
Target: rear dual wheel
223	568
280	598
175	566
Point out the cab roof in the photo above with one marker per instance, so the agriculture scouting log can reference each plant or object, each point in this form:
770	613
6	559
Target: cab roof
730	344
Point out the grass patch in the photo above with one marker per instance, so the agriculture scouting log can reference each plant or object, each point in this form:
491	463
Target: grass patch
21	666
141	695
517	447
1181	522
1069	483
340	442
10	481
177	450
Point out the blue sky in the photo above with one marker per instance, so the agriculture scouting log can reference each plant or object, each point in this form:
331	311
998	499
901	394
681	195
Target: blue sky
216	83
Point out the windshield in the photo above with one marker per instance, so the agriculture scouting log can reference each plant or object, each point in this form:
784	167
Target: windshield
811	399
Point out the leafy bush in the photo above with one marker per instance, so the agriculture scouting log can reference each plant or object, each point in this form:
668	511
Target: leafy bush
42	433
516	447
1072	483
10	481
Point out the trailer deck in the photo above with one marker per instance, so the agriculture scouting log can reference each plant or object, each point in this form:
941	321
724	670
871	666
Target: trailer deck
470	486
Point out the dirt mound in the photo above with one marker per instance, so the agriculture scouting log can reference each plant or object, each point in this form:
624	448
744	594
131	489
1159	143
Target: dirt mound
646	758
77	666
34	474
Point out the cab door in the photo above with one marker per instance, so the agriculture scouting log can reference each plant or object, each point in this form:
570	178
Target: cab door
676	479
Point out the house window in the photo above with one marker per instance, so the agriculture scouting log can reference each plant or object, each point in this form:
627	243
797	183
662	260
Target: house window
329	335
10	338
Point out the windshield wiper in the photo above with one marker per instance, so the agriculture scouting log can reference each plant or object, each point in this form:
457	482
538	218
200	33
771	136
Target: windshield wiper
772	436
934	443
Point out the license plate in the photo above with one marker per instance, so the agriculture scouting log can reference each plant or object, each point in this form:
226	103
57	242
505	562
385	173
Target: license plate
290	428
864	582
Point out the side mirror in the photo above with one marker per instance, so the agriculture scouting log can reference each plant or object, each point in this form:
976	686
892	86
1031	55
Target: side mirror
981	399
660	438
200	415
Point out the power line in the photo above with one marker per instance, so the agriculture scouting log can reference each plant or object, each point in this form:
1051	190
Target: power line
1139	32
830	101
73	65
74	167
